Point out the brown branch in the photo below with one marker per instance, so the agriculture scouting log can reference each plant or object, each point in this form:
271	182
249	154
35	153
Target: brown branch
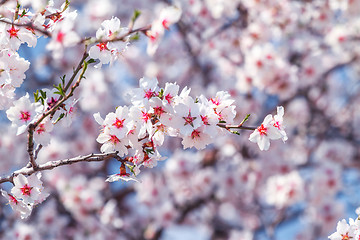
119	38
32	127
53	164
239	126
80	65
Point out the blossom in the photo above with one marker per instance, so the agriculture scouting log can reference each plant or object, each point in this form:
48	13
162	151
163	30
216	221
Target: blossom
270	129
283	190
187	116
105	50
63	35
278	122
110	142
343	231
22	113
12	36
12	68
117	122
168	16
198	139
6	95
170	91
27	188
42	132
147	90
17	205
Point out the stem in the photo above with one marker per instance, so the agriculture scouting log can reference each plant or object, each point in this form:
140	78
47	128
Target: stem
239	126
75	72
32	127
122	37
53	164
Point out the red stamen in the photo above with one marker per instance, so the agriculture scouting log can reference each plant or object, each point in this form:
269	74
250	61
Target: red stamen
119	123
102	46
25	116
26	190
262	130
13	32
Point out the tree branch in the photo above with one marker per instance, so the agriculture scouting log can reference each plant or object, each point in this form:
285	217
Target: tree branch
223	125
32	126
53	164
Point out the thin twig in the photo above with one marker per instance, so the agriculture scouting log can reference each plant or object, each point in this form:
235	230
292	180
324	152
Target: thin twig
239	126
32	127
53	164
119	38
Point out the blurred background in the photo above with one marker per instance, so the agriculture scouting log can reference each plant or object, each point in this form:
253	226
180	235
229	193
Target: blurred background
303	55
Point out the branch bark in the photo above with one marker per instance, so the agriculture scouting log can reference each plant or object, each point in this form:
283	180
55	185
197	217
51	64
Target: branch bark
53	164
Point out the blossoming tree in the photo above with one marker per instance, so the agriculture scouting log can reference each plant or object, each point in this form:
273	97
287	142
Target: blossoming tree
94	93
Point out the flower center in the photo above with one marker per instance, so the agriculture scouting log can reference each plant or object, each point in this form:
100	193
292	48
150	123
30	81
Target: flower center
189	120
277	125
25	116
119	123
13	32
26	190
345	237
41	129
145	116
114	139
158	111
52	102
13	199
205	120
215	101
102	46
153	37
262	130
149	94
165	24
195	134
168	98
60	37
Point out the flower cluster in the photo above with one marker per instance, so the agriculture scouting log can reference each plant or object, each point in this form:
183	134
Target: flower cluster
26	193
26	27
24	112
167	17
156	113
108	50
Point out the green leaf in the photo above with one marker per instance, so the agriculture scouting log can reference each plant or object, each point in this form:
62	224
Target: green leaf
63	79
67	3
149	150
135	37
59	118
222	121
23	13
91	60
36	96
43	94
60	90
161	93
136	14
245	119
235	132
